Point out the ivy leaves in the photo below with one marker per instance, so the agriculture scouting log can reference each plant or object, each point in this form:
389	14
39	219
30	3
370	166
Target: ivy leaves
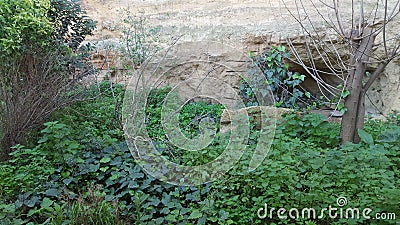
284	84
304	168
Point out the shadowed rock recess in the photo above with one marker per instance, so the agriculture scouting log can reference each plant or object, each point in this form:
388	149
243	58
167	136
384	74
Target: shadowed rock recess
247	25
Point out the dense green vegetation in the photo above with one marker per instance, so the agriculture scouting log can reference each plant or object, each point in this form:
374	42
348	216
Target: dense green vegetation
271	77
69	163
80	171
40	62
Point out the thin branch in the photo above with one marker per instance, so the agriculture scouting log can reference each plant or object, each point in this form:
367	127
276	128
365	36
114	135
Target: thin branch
338	18
361	20
375	75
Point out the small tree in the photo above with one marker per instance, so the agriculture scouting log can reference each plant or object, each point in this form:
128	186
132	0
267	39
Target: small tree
38	58
348	46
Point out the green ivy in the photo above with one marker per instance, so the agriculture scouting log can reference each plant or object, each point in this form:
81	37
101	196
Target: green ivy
284	84
66	179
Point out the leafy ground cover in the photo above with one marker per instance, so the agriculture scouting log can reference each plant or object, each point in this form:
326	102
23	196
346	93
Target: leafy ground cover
80	171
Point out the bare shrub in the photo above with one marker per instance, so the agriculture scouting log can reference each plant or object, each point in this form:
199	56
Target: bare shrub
31	87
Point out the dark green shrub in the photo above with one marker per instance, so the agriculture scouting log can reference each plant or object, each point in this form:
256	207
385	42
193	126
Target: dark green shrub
71	24
284	84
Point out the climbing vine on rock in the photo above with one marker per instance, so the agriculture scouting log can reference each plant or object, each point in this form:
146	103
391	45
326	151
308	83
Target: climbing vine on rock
283	83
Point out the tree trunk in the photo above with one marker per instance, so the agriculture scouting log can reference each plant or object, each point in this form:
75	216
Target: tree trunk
353	118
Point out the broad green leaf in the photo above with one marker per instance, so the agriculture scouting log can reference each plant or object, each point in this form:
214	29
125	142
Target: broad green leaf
365	137
68	180
115	176
32	202
345	93
46	203
195	214
51	192
105	160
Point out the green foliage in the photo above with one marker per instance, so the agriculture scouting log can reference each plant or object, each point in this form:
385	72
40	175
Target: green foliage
140	39
141	197
96	213
23	23
284	84
21	179
311	128
86	125
91	208
40	63
193	112
190	117
394	118
67	178
300	174
26	23
71	25
365	137
26	172
391	135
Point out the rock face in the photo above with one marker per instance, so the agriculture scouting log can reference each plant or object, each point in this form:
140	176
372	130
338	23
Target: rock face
256	115
247	25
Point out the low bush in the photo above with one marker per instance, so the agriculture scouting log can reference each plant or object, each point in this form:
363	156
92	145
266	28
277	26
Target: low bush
82	172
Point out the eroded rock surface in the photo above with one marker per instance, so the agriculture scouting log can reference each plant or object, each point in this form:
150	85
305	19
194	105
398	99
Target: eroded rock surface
248	25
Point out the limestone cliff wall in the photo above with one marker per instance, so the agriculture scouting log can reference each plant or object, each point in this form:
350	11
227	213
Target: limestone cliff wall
247	25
